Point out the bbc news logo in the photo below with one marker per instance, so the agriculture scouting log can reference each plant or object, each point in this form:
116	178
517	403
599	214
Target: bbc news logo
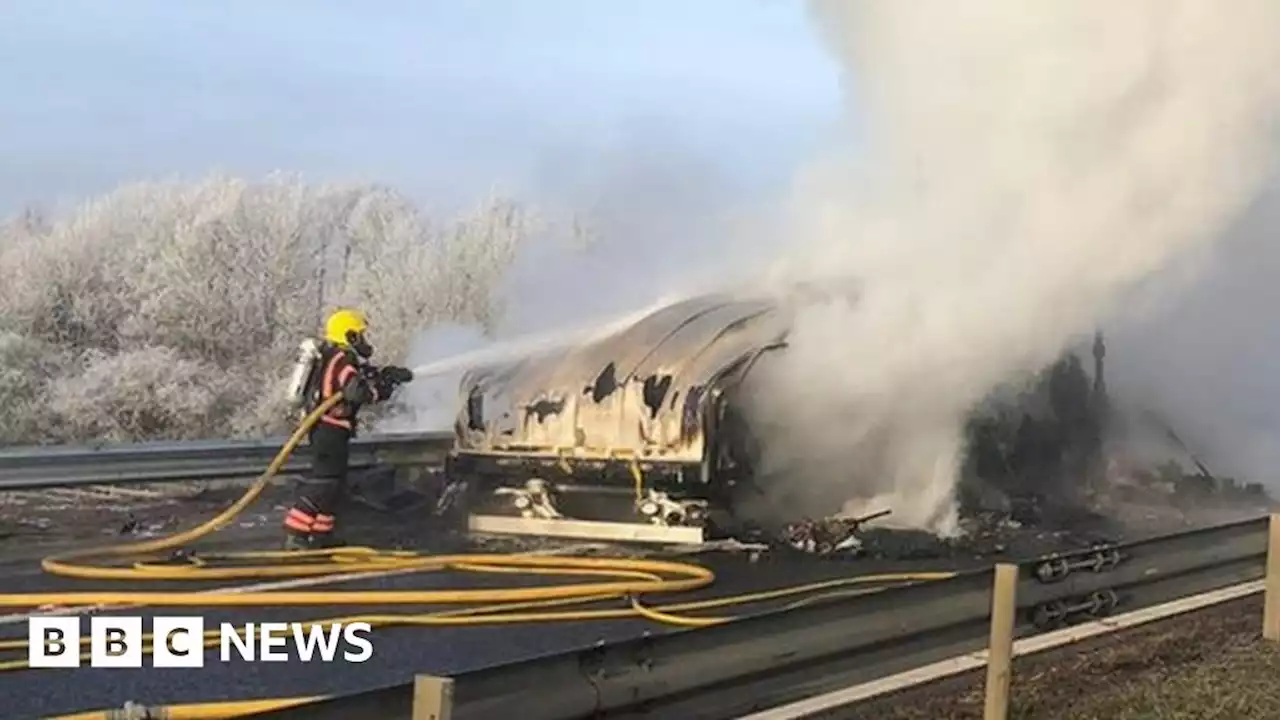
178	642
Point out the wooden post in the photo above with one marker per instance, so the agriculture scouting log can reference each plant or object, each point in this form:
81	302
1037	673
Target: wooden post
1271	601
1004	610
432	698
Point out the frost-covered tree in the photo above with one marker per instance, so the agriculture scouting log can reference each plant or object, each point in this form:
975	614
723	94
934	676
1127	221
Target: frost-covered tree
170	310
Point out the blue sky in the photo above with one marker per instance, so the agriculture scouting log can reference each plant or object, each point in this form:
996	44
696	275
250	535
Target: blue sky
442	99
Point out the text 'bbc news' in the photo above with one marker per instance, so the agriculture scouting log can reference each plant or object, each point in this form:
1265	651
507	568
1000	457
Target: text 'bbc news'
179	642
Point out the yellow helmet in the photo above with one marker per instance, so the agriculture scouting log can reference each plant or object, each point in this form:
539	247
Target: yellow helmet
347	328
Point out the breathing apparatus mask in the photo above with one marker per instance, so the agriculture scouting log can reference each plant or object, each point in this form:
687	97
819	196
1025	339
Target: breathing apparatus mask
360	344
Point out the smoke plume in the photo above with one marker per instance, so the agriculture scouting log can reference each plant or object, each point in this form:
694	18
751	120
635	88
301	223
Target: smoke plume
1024	169
1206	362
657	220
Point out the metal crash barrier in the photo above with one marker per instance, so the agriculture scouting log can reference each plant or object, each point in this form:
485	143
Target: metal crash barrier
778	657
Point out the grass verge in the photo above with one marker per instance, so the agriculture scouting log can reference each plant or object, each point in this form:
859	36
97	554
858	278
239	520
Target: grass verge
1209	665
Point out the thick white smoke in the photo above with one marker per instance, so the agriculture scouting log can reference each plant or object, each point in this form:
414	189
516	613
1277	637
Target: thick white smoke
1026	165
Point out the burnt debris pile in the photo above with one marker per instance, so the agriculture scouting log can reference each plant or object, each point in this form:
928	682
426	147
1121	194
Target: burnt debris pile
1059	453
1037	456
1047	467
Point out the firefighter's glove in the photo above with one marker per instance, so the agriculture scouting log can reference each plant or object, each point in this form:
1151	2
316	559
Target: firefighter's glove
394	375
385	380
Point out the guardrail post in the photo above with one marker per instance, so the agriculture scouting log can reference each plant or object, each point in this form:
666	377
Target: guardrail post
1271	597
432	698
1000	650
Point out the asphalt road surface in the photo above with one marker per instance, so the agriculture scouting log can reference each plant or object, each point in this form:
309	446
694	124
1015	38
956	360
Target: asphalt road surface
36	526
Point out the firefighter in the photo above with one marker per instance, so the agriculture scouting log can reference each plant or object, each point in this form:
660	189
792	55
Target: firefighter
340	366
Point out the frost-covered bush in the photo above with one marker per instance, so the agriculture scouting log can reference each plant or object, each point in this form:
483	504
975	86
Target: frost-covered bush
152	393
168	310
27	367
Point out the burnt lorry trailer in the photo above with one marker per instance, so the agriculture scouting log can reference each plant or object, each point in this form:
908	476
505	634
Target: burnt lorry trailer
633	436
642	434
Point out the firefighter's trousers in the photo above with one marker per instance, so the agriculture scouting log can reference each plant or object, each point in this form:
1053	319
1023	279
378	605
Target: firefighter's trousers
321	490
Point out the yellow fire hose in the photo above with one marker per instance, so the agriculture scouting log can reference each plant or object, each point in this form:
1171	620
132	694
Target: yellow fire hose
628	579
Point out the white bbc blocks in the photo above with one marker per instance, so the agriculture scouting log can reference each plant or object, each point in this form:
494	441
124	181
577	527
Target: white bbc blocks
115	642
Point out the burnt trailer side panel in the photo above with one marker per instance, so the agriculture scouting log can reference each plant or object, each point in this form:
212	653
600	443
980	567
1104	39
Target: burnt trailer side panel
643	392
632	415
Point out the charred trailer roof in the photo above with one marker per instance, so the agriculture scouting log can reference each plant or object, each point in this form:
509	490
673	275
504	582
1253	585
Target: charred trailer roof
646	392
